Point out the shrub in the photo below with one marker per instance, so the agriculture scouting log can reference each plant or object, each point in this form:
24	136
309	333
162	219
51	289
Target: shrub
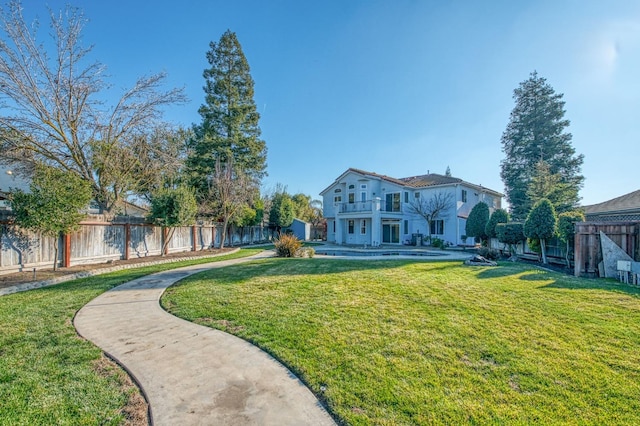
437	243
287	245
477	221
306	252
498	216
510	233
488	253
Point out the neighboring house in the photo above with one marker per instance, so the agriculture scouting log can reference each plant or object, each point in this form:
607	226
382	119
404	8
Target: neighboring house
621	209
122	208
10	181
368	208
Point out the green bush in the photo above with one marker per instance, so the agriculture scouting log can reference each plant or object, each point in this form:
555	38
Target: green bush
287	245
477	221
437	243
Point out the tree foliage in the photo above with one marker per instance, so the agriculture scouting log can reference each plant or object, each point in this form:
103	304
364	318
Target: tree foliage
53	111
477	221
432	208
541	224
172	207
510	233
545	184
498	216
229	130
567	229
536	132
282	210
55	203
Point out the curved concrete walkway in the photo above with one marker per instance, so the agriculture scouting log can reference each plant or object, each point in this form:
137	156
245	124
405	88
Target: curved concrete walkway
194	375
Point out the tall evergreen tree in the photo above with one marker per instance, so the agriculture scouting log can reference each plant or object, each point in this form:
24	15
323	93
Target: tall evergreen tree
537	133
229	130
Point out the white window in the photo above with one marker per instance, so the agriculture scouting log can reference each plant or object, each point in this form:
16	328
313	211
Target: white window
406	197
416	195
363	186
351	226
352	198
437	227
464	196
363	226
352	186
337	199
363	196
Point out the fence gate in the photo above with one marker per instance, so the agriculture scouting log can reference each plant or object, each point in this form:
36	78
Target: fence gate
588	253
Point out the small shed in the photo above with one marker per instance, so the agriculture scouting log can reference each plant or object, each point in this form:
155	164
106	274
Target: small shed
301	229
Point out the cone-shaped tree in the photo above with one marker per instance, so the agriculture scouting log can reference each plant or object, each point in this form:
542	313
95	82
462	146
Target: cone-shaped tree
498	216
541	224
477	221
537	132
229	128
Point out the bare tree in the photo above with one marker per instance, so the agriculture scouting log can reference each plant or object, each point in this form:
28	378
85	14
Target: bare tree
316	215
432	208
230	190
52	111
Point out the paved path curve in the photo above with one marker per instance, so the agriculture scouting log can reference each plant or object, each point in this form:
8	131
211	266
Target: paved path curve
193	374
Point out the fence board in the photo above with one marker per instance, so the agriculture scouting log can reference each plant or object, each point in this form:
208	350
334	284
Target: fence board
587	243
98	242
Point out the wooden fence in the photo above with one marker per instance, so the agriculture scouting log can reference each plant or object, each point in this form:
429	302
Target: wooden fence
588	252
99	242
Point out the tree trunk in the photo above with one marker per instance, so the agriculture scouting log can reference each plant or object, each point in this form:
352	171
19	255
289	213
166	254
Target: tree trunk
167	240
55	253
224	234
543	249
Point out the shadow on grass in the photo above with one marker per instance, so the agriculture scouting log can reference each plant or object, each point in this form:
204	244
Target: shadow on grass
609	284
291	267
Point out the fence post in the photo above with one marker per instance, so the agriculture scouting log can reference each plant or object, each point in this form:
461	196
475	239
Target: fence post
194	245
67	251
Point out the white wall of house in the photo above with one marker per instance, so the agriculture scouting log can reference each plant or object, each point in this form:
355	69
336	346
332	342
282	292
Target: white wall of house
352	218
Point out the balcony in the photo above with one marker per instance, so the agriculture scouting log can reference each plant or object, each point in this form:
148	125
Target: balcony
369	206
361	206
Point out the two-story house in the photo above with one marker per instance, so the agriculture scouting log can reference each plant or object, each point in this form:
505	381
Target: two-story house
364	208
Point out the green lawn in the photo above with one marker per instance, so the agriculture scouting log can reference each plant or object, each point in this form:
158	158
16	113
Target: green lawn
409	342
48	375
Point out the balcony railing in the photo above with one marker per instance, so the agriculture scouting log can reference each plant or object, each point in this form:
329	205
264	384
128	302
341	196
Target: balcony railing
368	206
361	206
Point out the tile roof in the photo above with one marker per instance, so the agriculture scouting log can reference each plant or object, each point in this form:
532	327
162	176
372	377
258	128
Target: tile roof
431	179
422	181
630	201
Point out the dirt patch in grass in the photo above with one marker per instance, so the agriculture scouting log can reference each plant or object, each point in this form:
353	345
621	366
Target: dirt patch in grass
136	411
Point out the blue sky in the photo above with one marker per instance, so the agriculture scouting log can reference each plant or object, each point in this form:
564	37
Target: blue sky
398	87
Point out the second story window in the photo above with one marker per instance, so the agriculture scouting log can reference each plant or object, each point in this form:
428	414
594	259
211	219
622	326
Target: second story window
363	196
337	199
352	198
464	196
392	202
